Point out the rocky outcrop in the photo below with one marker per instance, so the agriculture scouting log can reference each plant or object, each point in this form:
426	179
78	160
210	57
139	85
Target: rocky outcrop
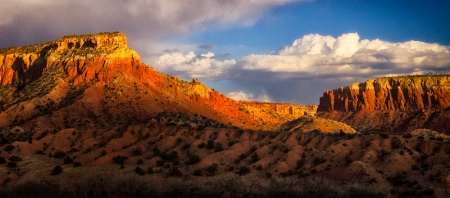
84	58
397	93
391	104
283	109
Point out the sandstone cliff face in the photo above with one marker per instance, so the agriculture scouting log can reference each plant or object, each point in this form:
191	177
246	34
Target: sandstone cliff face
399	93
83	58
391	104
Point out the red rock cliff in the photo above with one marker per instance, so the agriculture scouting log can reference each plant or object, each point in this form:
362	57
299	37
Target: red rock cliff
83	58
397	93
391	104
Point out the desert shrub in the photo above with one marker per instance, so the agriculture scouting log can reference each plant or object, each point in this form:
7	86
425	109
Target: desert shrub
210	144
76	164
243	170
231	142
9	147
287	173
140	162
409	135
39	152
59	154
201	145
440	139
218	147
137	151
2	160
186	146
253	149
160	163
432	138
138	170
93	186
15	158
56	170
119	159
259	167
384	135
242	156
212	169
129	186
175	172
197	172
68	160
255	158
397	180
169	156
318	161
300	163
32	189
193	159
11	164
420	138
150	170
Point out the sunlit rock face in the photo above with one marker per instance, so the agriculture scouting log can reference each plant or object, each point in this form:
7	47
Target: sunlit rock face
406	103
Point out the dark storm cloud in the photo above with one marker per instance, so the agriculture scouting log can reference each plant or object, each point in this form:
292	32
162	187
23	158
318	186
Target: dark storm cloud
145	22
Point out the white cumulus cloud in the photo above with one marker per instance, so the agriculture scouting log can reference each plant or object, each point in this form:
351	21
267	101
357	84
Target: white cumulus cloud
242	96
347	55
190	65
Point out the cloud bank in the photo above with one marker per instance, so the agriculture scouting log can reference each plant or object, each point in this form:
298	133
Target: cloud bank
346	56
312	60
320	56
242	96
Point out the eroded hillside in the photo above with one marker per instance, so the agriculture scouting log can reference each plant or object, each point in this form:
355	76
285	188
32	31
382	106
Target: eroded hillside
97	81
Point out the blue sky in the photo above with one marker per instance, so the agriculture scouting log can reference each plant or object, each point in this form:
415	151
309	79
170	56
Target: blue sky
268	50
394	21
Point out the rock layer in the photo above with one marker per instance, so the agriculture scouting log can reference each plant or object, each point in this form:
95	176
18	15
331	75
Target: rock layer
391	104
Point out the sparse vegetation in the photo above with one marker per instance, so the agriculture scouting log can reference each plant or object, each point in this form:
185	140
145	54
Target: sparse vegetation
119	159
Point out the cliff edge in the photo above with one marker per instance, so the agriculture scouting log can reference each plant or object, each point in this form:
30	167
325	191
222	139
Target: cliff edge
391	104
